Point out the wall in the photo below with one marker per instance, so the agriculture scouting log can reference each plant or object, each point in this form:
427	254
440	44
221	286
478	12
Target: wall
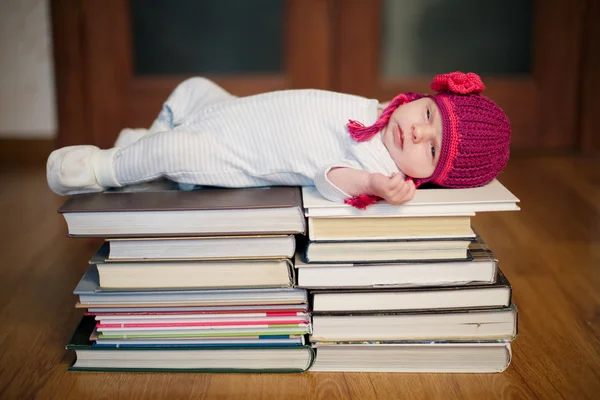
27	93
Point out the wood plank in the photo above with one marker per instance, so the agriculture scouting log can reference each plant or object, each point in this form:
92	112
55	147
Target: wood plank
557	46
67	31
108	67
16	153
550	251
590	84
357	47
308	44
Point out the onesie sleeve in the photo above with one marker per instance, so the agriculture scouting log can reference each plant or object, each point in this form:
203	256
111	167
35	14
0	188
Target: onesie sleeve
326	187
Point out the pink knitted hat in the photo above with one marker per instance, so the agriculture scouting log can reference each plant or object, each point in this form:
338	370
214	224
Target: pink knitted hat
476	132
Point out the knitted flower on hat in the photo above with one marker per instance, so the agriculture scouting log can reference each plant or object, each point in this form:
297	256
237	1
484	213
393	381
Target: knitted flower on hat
476	133
457	82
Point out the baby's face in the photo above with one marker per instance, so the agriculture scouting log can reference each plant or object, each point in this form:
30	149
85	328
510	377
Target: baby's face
413	137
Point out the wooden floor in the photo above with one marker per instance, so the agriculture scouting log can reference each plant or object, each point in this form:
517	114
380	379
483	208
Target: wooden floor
550	251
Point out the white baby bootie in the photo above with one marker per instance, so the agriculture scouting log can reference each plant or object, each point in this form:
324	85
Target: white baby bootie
81	169
129	136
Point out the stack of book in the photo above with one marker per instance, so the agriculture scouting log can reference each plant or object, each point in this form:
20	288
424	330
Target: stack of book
199	280
409	288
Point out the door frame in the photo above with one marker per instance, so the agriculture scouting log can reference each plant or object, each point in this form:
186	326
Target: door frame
98	93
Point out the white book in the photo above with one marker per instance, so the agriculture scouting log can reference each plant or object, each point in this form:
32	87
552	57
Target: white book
389	228
481	268
426	202
131	211
124	343
207	309
386	251
483	296
196	274
141	323
202	248
464	325
413	357
172	273
275	359
91	295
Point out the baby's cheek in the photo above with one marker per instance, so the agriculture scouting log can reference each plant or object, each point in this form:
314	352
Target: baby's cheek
417	169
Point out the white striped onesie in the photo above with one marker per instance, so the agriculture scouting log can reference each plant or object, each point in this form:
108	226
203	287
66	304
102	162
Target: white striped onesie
206	136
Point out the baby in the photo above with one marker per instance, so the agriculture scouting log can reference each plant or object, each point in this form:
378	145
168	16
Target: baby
353	149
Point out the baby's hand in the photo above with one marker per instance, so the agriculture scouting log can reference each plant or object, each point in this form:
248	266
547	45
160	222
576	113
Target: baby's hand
394	189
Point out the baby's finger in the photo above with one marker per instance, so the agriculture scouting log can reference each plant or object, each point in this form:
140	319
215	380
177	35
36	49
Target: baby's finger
409	193
389	187
401	190
404	194
396	182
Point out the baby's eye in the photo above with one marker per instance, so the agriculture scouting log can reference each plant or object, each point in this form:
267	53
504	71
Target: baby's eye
428	114
432	151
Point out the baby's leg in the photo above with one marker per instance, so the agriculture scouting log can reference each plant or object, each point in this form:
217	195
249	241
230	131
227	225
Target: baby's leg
179	155
129	136
190	96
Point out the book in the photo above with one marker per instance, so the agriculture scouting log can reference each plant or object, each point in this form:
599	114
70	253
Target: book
206	319
185	358
201	248
192	323
198	310
495	295
433	325
208	334
137	316
258	341
193	359
386	251
389	228
413	357
426	202
128	317
196	330
260	328
125	275
481	268
197	327
202	212
90	295
224	329
177	323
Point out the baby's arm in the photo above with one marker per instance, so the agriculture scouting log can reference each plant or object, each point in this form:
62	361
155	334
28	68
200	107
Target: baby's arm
394	189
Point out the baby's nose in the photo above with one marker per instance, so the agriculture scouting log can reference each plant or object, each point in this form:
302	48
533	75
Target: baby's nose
420	132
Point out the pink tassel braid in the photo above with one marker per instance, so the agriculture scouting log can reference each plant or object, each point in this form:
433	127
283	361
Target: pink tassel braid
362	201
362	133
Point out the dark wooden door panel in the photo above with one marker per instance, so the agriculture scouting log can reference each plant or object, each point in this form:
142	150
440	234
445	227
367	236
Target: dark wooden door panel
100	92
